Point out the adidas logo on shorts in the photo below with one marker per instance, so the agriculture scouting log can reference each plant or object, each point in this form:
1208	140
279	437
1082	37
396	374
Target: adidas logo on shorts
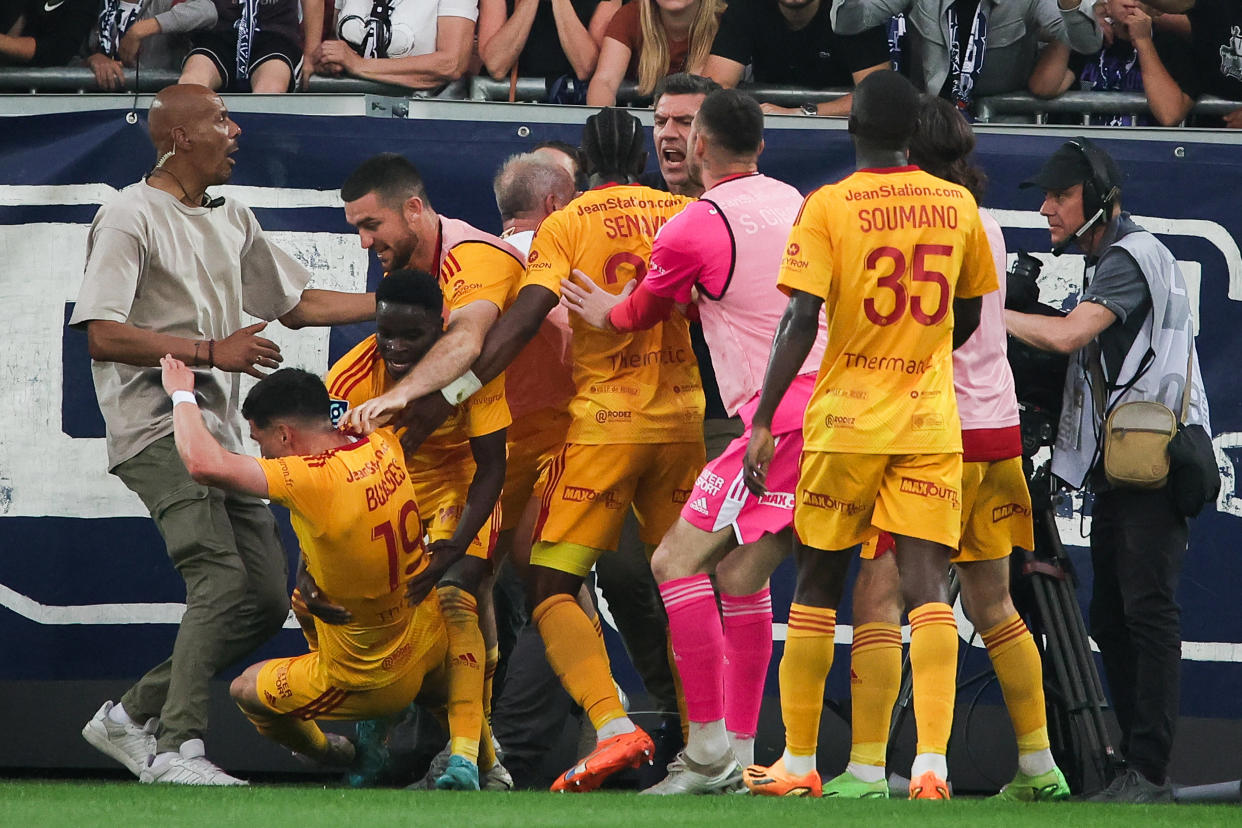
700	506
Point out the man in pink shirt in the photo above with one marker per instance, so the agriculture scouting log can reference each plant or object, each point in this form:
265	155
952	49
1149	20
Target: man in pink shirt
996	517
722	254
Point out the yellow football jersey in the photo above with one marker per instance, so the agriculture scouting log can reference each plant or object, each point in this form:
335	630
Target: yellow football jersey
641	387
361	535
360	375
888	251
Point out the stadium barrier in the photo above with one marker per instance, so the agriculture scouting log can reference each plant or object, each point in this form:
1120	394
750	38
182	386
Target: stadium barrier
87	599
1010	107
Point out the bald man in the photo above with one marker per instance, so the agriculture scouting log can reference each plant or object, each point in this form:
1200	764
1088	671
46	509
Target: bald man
169	270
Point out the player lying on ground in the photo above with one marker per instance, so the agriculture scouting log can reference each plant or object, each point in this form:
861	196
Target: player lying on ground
353	509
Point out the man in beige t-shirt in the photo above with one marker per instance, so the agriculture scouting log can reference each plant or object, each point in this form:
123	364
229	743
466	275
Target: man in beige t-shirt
169	270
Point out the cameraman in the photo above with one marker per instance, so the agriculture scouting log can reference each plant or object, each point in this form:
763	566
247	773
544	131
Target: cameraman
1129	339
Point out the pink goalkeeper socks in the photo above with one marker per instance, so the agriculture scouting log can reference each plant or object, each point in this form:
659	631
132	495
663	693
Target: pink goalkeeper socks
748	650
698	644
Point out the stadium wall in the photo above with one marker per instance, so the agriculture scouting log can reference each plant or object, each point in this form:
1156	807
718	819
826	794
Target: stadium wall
87	599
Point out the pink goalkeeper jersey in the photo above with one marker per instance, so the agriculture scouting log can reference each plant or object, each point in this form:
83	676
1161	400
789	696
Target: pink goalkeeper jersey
729	245
981	375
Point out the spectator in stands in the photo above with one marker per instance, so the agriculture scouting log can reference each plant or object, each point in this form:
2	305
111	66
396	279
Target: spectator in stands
963	48
428	46
152	31
1115	68
35	33
256	46
1209	64
791	43
649	39
557	40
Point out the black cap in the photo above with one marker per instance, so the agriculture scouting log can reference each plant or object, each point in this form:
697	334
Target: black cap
1069	166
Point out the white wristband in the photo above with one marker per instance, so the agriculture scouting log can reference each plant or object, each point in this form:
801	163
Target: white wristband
179	397
460	389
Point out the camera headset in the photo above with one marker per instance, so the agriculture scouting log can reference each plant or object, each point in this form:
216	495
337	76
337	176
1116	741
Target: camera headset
1099	192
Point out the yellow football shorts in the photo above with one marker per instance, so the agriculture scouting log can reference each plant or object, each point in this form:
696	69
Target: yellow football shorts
844	499
300	687
590	488
441	501
534	442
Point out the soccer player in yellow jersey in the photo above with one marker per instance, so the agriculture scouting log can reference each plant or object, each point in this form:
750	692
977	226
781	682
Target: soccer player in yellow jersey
457	476
386	200
636	434
898	260
354	512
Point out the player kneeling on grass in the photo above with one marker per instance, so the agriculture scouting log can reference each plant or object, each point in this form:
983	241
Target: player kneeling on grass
353	509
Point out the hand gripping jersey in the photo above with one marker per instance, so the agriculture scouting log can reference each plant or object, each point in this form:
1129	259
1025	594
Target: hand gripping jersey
888	251
641	387
355	516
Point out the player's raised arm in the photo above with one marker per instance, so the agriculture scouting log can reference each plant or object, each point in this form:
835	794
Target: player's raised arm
204	458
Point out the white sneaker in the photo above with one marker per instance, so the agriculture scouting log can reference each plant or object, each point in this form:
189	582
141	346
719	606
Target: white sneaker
497	779
128	744
688	777
189	767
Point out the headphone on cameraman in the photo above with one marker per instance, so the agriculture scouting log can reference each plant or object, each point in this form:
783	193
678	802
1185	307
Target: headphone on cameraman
1099	192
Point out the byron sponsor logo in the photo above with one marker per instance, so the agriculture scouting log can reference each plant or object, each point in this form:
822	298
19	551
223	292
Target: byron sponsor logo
781	500
1009	510
826	501
397	657
533	257
793	249
607	415
926	488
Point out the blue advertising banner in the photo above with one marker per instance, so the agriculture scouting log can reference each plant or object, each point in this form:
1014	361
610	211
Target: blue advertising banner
86	591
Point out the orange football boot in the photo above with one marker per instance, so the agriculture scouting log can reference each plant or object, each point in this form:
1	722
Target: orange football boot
929	786
776	781
628	750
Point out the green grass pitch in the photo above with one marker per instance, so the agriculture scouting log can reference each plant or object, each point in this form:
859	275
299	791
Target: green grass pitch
35	804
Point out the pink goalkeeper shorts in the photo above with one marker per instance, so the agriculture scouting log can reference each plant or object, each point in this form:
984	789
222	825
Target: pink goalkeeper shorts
720	497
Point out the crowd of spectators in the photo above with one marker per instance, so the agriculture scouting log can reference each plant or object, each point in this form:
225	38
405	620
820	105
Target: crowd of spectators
1172	51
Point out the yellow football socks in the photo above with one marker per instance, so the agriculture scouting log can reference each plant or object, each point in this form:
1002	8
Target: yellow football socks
933	662
875	679
1020	673
804	668
467	656
577	655
489	677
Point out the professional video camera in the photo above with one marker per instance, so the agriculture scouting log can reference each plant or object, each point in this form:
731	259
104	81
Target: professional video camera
1039	376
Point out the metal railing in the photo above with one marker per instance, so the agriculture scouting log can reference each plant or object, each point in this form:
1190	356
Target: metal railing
1011	107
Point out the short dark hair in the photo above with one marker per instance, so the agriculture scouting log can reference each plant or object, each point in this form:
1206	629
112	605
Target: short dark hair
612	141
411	287
289	393
882	114
942	144
733	120
683	83
390	176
